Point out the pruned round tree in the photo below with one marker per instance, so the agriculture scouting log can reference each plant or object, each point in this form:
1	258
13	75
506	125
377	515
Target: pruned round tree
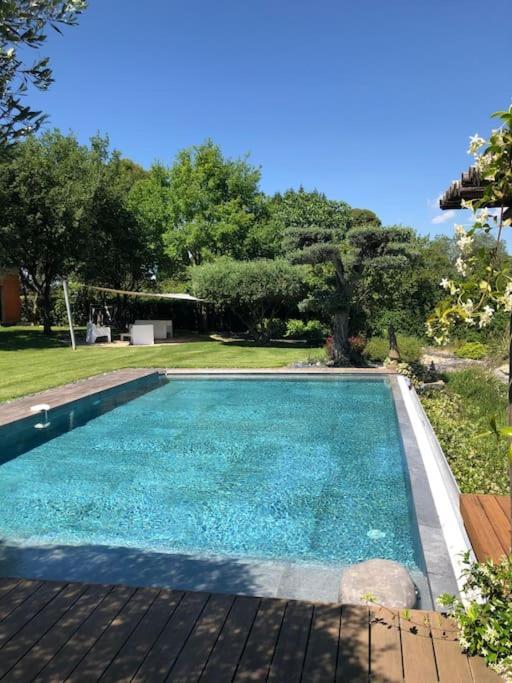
319	232
253	290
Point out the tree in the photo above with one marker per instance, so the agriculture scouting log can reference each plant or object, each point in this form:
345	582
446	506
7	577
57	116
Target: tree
22	25
120	253
253	290
149	202
404	297
47	191
360	217
318	232
213	207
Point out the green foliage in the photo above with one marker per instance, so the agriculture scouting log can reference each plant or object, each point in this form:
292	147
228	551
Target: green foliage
312	330
473	350
341	248
377	349
361	217
458	414
213	205
47	193
23	25
485	624
253	290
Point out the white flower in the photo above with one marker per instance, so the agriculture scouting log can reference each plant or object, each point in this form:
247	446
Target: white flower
461	266
445	283
485	316
506	300
482	217
483	161
459	230
464	242
468	306
475	142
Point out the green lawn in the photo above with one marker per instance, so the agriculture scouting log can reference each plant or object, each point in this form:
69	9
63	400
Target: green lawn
30	362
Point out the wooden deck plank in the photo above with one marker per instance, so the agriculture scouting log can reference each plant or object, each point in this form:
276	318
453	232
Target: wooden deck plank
46	648
498	519
504	503
452	664
481	672
193	657
38	626
7	585
354	647
96	661
68	657
257	656
322	653
78	632
417	648
482	535
385	646
291	643
134	651
27	610
226	654
171	640
17	596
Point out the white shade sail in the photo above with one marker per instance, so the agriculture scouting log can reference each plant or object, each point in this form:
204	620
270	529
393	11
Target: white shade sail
179	296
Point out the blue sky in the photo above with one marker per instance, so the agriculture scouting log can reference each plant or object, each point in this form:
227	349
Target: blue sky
370	101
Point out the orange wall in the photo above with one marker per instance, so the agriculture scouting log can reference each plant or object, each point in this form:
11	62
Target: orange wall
11	300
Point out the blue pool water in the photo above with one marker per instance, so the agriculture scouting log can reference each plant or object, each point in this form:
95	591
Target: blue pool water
289	469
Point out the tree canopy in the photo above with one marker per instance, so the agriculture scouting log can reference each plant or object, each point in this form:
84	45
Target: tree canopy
23	24
255	290
214	206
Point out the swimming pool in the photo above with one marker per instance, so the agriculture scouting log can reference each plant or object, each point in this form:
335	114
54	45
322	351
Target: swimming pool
301	469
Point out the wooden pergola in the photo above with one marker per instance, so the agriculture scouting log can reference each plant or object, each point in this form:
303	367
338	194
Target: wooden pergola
470	187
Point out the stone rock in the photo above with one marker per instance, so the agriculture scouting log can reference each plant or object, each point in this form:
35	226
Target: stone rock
428	386
388	582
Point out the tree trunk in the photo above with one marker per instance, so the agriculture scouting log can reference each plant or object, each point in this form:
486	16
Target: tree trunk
394	353
44	304
340	345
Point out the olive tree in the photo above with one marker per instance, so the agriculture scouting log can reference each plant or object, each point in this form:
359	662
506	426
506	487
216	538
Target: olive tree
253	290
23	24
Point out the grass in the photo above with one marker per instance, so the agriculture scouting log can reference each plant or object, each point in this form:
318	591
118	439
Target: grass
460	415
31	362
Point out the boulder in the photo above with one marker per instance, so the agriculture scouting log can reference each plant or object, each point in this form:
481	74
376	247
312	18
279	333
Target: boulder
389	583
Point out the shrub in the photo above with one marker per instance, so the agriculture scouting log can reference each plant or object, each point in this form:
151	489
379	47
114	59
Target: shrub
275	327
485	625
313	330
357	343
377	349
473	350
460	412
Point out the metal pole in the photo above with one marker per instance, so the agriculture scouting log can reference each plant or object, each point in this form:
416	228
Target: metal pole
68	311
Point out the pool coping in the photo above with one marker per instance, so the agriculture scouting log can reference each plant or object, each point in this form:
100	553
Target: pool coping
440	563
19	408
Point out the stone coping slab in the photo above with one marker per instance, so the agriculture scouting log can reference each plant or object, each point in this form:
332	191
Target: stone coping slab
19	408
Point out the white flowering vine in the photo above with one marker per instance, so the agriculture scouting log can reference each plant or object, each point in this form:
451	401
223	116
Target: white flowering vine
471	300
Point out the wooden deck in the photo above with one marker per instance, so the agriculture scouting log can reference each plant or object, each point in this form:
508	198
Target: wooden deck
487	521
76	632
